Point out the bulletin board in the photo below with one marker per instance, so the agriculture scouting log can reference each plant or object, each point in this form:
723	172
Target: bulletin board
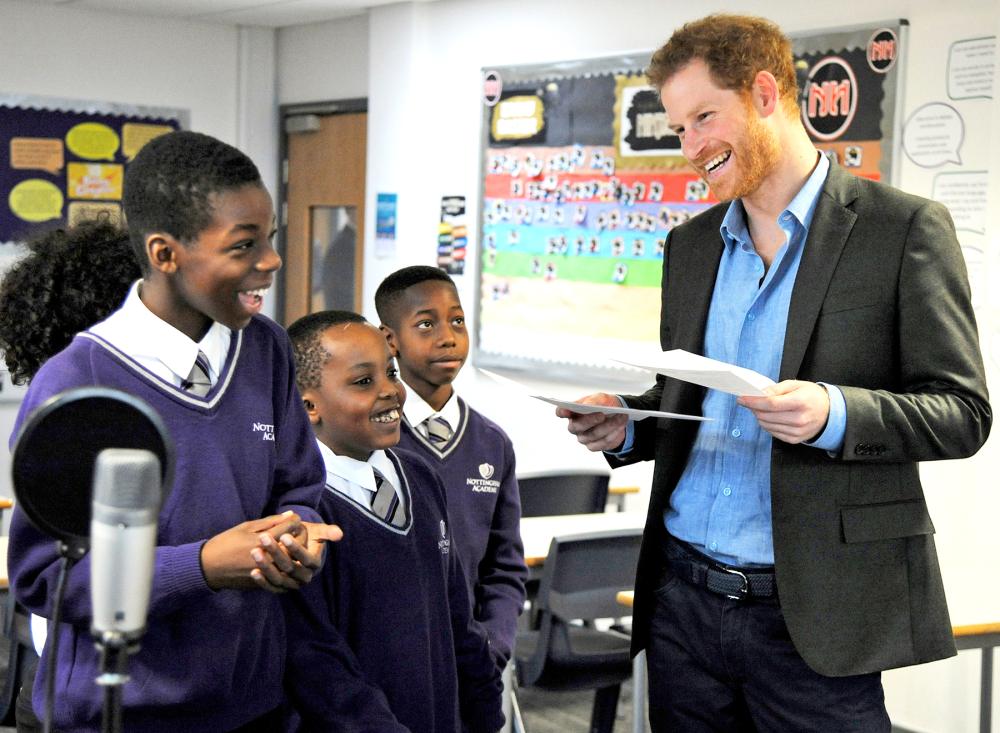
582	181
65	159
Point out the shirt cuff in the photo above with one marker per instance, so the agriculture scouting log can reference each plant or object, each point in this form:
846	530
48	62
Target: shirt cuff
629	435
832	438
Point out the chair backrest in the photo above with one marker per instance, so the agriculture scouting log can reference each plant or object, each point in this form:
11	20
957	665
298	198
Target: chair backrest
563	492
584	573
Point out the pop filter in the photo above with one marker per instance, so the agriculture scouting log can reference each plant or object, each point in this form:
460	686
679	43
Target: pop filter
54	456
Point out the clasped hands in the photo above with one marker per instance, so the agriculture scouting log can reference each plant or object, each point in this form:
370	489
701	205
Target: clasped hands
792	411
276	553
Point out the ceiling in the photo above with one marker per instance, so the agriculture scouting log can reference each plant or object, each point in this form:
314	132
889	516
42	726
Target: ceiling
273	13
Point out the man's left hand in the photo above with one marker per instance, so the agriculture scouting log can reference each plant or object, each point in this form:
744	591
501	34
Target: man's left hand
791	411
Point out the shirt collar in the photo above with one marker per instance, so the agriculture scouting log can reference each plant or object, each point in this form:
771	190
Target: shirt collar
354	471
417	410
802	206
142	334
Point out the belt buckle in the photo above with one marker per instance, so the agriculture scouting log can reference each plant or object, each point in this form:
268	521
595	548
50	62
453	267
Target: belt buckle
744	591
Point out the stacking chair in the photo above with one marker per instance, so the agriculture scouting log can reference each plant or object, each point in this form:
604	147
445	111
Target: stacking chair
580	581
563	492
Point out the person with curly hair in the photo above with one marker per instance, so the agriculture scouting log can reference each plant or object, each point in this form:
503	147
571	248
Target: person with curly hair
70	279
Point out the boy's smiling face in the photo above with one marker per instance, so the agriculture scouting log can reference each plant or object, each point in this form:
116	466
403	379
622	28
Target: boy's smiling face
357	407
225	272
429	338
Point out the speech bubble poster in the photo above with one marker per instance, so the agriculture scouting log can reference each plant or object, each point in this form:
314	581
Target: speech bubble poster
66	160
584	179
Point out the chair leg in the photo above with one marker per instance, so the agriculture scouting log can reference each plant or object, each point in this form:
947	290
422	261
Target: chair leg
602	720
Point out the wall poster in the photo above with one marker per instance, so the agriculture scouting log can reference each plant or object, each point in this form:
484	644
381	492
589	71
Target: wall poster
65	159
582	181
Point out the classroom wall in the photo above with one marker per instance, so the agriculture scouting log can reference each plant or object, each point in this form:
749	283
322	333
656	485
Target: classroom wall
424	135
223	75
323	61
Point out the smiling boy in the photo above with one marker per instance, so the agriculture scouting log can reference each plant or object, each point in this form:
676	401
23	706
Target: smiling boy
424	323
190	342
393	588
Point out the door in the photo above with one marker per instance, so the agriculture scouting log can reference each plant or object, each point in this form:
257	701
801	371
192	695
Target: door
325	214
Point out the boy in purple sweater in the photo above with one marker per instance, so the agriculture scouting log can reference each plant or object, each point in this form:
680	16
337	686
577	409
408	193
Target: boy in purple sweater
189	341
424	323
393	588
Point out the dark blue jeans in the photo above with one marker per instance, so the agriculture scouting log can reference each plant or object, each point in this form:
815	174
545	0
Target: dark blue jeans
724	665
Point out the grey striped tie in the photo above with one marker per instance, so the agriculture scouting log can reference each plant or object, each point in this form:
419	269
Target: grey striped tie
198	381
386	504
436	429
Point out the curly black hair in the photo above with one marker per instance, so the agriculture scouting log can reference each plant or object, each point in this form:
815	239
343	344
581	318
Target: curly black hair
310	356
169	184
392	288
69	280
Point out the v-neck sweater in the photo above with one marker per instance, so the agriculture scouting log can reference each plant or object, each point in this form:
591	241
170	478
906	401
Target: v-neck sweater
210	660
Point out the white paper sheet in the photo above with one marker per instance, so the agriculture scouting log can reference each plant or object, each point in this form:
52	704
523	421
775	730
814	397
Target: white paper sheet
706	372
634	414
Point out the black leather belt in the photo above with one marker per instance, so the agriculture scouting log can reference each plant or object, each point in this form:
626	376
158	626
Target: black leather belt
733	582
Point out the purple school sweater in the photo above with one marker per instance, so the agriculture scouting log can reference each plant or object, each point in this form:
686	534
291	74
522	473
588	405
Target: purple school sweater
210	660
477	468
416	660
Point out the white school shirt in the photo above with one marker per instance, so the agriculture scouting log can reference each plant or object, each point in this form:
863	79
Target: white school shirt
355	478
143	336
159	347
417	410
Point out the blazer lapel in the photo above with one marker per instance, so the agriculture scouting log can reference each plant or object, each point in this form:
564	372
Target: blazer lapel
831	225
691	277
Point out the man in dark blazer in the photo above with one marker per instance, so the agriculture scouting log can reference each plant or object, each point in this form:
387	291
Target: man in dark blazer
788	554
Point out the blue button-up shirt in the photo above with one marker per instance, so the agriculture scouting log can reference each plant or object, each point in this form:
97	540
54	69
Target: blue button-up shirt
722	503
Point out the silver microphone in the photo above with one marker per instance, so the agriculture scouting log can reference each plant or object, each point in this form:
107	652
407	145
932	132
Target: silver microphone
127	497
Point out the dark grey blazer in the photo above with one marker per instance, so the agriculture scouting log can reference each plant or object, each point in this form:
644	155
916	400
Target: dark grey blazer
880	308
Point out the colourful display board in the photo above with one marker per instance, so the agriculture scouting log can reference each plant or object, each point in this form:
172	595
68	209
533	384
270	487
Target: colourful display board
65	159
583	180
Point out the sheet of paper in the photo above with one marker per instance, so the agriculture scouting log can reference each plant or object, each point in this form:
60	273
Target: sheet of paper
519	388
706	372
631	412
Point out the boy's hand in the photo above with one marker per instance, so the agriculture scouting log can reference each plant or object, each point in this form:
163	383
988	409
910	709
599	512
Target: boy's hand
226	558
288	561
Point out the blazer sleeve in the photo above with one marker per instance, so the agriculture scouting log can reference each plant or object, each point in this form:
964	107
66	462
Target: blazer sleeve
940	408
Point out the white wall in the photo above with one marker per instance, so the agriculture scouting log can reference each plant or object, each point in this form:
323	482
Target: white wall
424	135
323	61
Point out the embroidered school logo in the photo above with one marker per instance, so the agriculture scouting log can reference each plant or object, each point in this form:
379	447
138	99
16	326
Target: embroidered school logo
266	431
830	98
485	483
444	544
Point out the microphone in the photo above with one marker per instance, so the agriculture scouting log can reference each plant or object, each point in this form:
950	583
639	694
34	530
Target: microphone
127	498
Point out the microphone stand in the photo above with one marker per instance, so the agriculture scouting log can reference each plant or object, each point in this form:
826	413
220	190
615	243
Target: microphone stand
69	553
114	648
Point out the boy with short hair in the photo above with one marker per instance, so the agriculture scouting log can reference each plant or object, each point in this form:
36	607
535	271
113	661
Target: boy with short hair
188	340
393	588
424	323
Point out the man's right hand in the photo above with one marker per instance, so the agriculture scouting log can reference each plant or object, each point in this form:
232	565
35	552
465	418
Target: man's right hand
596	430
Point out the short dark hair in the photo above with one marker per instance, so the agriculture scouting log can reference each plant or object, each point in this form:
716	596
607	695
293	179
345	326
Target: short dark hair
735	48
310	356
69	280
169	184
394	285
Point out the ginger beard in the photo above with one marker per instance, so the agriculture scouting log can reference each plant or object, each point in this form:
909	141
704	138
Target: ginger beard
753	157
